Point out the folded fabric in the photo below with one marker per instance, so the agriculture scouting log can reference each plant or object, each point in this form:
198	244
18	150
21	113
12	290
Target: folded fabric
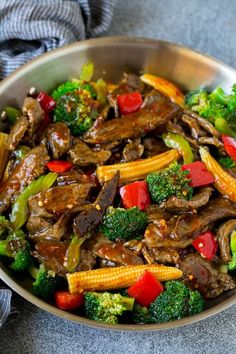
28	28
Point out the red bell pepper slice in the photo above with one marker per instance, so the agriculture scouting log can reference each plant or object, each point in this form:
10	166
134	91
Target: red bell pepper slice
146	289
129	102
206	245
135	194
67	301
230	146
47	102
59	166
198	174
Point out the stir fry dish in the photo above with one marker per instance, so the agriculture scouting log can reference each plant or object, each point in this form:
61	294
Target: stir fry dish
119	200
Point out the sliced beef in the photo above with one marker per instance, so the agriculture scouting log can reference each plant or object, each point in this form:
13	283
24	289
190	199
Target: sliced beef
30	168
17	133
155	213
58	200
91	217
74	176
133	150
193	126
134	125
33	111
200	273
176	204
153	146
117	253
205	124
181	230
82	155
52	254
164	255
58	137
223	237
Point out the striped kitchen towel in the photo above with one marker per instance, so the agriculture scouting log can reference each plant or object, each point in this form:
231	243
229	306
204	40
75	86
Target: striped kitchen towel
29	28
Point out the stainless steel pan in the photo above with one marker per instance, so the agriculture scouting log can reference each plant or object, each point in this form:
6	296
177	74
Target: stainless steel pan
113	56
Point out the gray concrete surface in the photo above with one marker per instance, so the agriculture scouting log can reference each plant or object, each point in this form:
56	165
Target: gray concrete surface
208	26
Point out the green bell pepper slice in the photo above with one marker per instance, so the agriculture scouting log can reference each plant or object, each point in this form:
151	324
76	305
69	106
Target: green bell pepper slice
182	145
20	207
232	263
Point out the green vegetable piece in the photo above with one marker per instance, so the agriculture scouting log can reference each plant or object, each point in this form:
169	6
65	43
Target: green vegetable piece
78	110
71	86
232	263
106	307
140	314
12	114
20	208
222	125
16	247
101	90
219	96
196	303
182	145
87	71
45	281
170	181
176	302
73	253
227	163
122	223
4	225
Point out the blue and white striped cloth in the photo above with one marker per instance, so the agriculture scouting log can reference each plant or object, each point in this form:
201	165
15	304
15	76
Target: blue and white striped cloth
29	28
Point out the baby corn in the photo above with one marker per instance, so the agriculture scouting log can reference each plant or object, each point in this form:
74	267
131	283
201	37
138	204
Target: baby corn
4	153
117	277
224	182
164	86
135	170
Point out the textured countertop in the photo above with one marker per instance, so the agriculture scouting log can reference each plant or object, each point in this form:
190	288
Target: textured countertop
208	26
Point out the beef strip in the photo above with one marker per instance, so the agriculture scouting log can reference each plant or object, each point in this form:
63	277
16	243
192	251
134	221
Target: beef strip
58	200
164	255
52	254
155	213
180	204
30	168
177	129
200	273
91	217
205	124
213	141
153	146
192	124
17	133
117	253
74	176
133	150
33	111
223	237
134	81
82	155
180	231
58	137
136	124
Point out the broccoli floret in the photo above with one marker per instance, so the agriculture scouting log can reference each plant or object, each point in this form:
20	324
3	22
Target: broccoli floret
16	247
123	223
78	110
106	307
176	302
227	163
170	181
140	314
45	281
197	100
71	86
195	303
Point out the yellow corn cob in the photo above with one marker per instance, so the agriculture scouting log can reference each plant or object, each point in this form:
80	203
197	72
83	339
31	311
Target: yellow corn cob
135	170
4	153
164	86
224	183
117	277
